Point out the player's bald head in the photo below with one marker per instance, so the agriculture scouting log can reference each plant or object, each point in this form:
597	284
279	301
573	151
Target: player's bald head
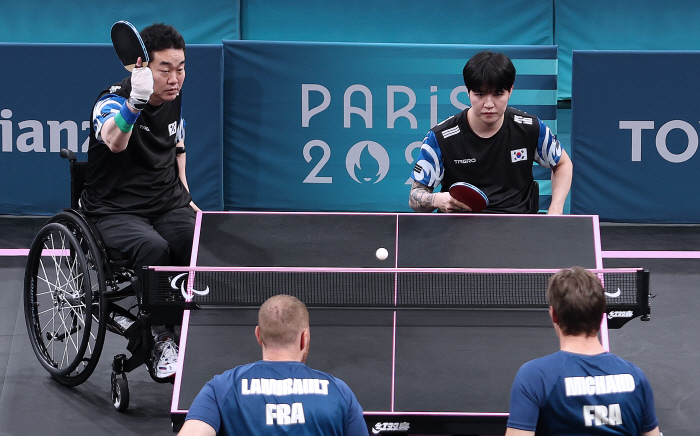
281	319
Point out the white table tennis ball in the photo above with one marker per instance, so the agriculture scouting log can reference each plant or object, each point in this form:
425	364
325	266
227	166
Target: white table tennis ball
382	253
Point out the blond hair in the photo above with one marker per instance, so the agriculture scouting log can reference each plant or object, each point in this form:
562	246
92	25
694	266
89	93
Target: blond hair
281	320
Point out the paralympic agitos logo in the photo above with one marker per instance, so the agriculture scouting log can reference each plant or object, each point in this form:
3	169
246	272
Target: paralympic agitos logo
180	281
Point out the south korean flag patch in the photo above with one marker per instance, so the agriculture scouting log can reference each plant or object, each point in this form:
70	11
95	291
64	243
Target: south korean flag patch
518	155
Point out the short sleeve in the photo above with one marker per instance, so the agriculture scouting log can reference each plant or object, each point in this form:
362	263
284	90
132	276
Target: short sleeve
429	169
105	108
525	399
205	408
548	147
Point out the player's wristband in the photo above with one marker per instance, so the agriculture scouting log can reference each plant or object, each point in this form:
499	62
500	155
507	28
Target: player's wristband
179	150
125	119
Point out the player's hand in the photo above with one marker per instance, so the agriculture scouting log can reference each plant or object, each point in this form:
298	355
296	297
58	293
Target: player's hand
141	86
446	203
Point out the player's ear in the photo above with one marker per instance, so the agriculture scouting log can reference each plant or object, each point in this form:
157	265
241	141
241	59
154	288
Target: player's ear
305	339
257	334
553	315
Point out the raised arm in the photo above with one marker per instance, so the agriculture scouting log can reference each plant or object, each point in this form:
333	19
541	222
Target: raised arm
116	130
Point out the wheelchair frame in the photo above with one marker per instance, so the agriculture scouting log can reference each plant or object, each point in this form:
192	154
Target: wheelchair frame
71	287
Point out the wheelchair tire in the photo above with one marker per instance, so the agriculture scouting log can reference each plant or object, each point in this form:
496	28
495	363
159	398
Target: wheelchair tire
120	392
64	302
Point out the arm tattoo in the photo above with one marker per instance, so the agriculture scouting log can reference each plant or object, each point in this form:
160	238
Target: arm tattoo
421	198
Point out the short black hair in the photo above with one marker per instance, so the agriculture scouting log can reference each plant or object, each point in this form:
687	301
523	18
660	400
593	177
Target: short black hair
161	36
578	299
489	72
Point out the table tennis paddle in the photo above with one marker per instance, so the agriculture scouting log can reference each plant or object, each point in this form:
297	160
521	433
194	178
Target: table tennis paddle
128	44
469	195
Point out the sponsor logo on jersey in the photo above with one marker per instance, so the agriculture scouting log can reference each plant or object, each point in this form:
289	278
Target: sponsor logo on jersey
465	161
518	155
390	426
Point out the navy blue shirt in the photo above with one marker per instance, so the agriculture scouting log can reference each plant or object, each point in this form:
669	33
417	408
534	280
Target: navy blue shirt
574	394
285	398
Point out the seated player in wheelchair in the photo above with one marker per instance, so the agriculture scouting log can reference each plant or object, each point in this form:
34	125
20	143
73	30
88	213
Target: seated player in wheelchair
136	190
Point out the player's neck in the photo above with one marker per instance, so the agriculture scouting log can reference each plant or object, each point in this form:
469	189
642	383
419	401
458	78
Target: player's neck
581	344
281	355
483	129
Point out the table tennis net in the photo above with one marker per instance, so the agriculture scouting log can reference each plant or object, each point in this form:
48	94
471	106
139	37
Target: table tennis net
409	288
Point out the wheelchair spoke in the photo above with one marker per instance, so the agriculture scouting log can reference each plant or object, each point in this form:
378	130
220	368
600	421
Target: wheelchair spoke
65	297
65	318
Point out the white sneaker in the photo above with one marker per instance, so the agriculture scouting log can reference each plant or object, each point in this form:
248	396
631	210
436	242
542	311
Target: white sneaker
165	355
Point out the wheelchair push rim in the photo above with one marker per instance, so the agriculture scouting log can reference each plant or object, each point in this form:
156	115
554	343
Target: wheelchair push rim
64	300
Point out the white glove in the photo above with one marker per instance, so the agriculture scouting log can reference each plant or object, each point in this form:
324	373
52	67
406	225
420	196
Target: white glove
141	87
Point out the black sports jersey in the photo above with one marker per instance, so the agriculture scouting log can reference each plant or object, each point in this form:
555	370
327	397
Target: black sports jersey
143	179
501	166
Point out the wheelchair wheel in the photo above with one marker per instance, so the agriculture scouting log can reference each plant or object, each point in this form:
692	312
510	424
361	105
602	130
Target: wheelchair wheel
64	302
120	392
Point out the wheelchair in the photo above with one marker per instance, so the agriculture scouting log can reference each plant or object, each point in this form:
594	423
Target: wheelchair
75	290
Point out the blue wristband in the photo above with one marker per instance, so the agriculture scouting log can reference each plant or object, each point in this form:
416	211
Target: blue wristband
128	116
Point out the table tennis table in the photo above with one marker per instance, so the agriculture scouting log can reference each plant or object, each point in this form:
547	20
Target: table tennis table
429	339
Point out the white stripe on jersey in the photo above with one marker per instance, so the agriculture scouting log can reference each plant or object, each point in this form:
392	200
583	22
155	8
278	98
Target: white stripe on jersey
450	132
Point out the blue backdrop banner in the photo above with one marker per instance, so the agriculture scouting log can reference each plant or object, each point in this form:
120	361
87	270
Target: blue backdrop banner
336	127
635	136
42	112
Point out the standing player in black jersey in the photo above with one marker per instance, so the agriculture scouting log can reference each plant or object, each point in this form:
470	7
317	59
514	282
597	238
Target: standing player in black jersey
491	146
136	190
